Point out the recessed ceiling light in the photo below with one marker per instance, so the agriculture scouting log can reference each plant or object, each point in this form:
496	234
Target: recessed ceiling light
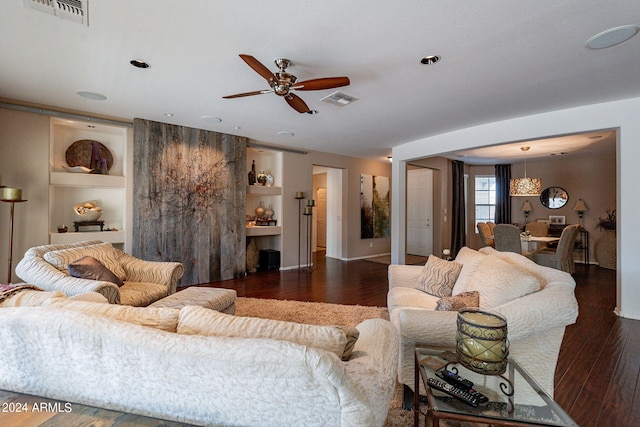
612	36
91	95
210	119
312	112
139	63
237	127
168	114
286	133
430	59
562	153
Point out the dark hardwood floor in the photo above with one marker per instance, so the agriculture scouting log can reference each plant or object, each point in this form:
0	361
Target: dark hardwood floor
598	372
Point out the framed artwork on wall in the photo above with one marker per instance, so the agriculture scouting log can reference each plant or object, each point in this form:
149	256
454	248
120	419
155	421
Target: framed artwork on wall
374	206
557	219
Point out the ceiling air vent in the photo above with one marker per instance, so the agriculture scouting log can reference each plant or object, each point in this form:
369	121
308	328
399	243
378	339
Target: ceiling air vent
338	98
72	10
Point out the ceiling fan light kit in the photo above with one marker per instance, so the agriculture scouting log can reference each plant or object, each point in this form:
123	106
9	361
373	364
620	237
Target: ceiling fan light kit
283	83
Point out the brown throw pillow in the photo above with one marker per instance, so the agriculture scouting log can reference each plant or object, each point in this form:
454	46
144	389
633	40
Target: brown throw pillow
438	276
88	267
455	303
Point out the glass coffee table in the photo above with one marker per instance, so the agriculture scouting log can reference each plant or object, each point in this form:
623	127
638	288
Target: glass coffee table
515	399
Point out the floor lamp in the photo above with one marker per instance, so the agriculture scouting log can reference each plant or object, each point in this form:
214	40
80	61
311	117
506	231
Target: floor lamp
13	196
308	212
299	197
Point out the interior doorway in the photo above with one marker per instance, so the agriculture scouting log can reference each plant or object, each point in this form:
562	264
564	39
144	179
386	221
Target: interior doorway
420	211
327	216
321	203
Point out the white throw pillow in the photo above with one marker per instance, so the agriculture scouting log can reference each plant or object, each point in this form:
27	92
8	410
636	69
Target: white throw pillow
500	282
103	252
470	260
438	277
195	320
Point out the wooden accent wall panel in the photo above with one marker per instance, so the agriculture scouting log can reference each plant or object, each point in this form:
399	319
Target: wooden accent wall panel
189	190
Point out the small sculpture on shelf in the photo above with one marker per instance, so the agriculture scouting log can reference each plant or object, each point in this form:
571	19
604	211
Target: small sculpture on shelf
262	178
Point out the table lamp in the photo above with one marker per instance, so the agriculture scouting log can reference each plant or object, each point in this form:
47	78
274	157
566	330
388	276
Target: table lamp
580	207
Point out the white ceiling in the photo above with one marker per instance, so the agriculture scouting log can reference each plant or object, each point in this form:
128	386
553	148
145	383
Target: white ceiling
500	59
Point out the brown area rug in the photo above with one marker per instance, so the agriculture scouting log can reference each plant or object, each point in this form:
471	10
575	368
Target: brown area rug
409	260
329	314
316	313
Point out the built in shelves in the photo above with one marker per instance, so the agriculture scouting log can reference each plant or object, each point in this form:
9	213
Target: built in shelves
264	230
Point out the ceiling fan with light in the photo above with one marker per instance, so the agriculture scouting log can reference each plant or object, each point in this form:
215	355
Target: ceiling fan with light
283	83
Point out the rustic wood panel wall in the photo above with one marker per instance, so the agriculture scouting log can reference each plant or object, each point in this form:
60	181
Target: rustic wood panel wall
189	200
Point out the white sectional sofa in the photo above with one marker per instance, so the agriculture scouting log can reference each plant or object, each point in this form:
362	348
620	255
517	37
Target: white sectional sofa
536	320
177	364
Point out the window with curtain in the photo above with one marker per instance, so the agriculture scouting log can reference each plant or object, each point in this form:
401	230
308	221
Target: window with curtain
485	197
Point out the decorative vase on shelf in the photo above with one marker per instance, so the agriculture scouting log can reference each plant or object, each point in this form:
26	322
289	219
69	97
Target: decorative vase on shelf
269	182
261	178
252	173
268	213
260	211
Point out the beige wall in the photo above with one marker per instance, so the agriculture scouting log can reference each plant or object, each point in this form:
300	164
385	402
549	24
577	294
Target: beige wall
24	163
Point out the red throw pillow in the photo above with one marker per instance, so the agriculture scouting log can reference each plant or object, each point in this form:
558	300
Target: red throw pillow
90	268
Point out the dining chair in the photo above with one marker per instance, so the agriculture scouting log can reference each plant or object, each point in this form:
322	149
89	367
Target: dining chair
485	234
538	229
507	238
560	258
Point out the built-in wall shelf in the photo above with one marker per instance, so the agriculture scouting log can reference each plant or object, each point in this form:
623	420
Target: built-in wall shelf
264	230
263	190
114	237
268	162
86	180
66	189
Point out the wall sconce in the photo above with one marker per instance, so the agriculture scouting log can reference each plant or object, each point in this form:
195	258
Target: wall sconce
580	207
526	208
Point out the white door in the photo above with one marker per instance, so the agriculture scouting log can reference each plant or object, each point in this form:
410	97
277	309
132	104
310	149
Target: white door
321	212
419	212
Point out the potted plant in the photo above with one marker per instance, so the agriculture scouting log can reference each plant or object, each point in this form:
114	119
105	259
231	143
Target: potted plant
608	222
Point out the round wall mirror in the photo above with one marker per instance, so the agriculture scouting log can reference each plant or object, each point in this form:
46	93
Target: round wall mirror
554	197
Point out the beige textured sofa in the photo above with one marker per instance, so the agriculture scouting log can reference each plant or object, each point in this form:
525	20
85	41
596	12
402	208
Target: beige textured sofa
536	320
144	281
196	365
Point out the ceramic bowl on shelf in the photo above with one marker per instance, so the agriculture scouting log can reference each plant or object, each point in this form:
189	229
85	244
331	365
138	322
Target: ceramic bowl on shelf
88	211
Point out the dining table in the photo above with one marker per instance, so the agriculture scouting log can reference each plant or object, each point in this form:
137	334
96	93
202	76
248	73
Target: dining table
531	243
